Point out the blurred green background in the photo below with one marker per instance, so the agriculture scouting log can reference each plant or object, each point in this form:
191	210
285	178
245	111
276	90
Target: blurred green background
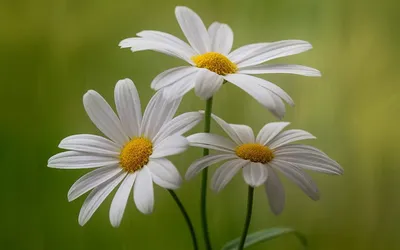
52	52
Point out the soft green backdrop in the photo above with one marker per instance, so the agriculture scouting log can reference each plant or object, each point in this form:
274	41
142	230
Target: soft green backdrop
52	52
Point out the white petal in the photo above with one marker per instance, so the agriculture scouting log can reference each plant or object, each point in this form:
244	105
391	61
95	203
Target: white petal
269	131
158	112
140	44
143	192
163	37
280	109
221	36
213	29
164	173
271	51
306	157
97	196
211	141
173	76
193	28
314	166
207	83
128	106
289	136
273	88
299	177
265	84
280	68
104	117
179	125
295	150
244	132
300	149
261	94
275	192
255	174
172	145
118	204
224	174
77	160
180	88
90	144
92	180
197	166
228	129
244	52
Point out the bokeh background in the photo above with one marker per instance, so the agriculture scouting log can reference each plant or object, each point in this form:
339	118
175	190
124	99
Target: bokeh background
52	52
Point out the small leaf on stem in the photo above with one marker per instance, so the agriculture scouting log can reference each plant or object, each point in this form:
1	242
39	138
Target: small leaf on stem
264	235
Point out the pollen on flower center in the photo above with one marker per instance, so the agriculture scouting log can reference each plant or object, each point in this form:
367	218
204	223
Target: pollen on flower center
215	62
255	152
135	154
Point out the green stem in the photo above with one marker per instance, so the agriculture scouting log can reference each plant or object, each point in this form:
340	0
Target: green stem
187	218
250	195
203	201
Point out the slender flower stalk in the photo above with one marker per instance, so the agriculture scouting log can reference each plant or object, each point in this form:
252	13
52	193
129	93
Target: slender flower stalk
250	195
203	200
186	217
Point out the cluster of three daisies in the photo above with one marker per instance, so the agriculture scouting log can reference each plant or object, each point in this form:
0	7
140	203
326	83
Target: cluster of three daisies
134	155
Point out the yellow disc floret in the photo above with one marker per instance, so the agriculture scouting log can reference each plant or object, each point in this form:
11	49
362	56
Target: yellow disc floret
135	154
215	62
255	152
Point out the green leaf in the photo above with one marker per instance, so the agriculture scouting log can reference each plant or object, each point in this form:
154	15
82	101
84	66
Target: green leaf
264	235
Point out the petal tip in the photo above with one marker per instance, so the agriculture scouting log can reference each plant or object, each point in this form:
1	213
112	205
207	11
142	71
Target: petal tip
215	189
277	211
114	224
140	33
124	43
90	93
181	8
340	171
69	197
81	222
50	162
189	174
146	211
125	81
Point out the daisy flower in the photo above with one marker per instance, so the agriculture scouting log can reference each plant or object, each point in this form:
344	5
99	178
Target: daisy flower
134	155
212	62
260	157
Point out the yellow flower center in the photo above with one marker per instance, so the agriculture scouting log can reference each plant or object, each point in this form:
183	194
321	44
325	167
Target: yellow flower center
255	152
135	154
215	62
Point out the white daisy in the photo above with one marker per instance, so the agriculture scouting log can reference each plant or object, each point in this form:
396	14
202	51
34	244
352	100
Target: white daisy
134	155
211	61
259	157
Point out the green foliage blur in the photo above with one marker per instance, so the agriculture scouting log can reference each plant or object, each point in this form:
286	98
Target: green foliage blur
52	52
